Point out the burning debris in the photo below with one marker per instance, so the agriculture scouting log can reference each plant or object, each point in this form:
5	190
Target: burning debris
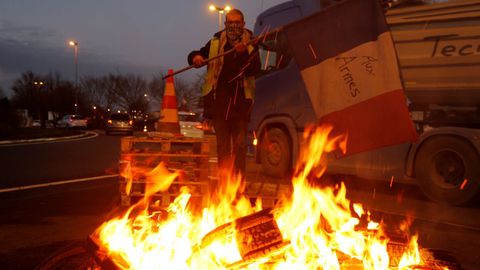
311	228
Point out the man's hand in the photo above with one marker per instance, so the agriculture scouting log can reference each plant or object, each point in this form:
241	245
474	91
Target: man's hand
240	47
207	124
198	61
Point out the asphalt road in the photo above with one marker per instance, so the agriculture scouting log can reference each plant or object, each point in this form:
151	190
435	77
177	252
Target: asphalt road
36	222
33	163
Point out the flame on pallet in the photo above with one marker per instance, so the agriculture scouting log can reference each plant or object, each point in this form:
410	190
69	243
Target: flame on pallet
312	228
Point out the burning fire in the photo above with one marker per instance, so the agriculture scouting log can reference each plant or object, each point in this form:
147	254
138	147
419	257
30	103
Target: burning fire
313	228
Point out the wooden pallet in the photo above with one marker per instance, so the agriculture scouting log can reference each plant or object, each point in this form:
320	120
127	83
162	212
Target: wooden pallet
268	192
198	190
163	145
140	155
188	155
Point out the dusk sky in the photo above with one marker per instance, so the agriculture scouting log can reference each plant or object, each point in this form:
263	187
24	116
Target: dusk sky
145	37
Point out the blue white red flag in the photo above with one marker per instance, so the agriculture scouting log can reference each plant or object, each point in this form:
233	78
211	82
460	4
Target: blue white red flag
348	63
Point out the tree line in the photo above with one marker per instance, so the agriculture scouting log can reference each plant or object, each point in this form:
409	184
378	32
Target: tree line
41	94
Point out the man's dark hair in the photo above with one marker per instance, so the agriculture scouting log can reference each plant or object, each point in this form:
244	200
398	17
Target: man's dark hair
235	11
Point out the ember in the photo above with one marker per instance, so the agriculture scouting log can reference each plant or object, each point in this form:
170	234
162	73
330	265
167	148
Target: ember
312	228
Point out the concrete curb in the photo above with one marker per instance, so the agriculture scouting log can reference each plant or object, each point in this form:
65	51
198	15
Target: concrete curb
85	134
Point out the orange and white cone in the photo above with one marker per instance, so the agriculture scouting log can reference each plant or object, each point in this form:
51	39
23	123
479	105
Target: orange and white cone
169	113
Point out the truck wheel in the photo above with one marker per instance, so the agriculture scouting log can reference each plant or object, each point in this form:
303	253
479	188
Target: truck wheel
275	153
447	170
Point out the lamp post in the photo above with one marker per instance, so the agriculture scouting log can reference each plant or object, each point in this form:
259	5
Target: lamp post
74	44
39	98
220	11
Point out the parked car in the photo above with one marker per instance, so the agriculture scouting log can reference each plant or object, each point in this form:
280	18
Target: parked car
119	122
36	123
72	121
190	124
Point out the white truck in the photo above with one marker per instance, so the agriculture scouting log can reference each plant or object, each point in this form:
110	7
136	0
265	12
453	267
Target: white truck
438	47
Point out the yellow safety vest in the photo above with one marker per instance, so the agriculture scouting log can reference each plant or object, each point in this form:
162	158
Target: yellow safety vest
211	77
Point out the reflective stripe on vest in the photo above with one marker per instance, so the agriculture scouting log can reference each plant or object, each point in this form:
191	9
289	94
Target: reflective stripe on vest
248	82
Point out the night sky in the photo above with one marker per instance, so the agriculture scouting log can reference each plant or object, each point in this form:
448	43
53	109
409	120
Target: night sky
144	37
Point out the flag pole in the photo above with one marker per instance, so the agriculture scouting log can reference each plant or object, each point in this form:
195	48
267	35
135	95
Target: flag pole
192	66
253	41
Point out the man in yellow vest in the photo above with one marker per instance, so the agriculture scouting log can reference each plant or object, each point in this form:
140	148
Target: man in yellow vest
229	88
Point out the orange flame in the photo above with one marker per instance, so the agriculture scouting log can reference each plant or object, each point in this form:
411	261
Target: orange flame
322	229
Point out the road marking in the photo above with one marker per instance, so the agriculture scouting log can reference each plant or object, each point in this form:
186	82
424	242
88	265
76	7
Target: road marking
90	135
102	177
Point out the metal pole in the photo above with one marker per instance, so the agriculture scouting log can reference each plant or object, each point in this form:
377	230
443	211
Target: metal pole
76	77
219	20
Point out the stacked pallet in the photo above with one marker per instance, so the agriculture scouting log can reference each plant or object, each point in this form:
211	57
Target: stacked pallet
269	193
188	157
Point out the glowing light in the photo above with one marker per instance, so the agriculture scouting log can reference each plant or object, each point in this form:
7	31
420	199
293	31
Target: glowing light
464	183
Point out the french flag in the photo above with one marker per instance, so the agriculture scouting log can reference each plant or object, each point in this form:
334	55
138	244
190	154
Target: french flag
349	66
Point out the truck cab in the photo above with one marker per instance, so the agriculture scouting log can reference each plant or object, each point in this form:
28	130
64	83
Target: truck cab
444	161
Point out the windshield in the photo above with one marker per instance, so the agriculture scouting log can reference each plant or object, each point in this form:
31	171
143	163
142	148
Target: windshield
120	117
188	118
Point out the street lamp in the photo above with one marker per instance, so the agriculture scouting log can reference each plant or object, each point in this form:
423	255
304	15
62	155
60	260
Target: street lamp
220	11
39	98
74	44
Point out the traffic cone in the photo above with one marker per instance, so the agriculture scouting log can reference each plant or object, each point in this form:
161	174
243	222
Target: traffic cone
168	121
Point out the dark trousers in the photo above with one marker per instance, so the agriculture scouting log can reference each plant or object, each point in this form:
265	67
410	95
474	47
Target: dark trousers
231	144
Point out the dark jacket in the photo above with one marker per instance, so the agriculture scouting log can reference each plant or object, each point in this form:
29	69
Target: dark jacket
228	99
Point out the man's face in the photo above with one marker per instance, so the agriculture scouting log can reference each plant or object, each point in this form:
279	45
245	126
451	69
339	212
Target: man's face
234	20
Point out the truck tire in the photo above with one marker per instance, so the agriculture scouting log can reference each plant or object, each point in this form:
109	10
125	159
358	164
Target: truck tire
275	153
447	170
